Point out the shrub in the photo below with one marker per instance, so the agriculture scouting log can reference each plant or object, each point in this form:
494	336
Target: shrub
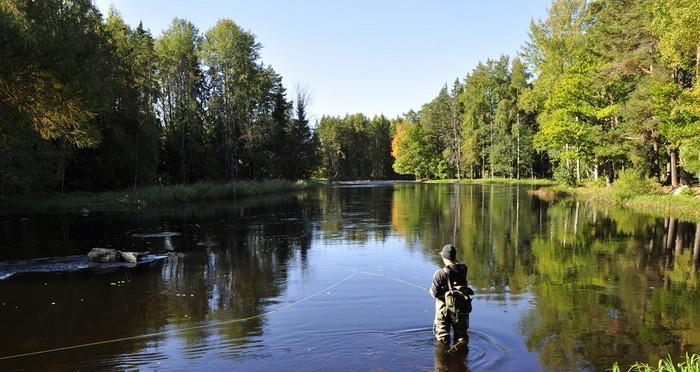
565	175
688	192
632	182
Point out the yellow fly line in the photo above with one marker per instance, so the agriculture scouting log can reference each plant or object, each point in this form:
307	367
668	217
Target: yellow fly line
211	325
394	279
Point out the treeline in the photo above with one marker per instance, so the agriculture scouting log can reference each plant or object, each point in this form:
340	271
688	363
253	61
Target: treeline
88	103
601	87
355	147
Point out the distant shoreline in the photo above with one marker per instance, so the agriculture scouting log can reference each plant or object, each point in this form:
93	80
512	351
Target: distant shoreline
148	197
685	207
509	181
660	205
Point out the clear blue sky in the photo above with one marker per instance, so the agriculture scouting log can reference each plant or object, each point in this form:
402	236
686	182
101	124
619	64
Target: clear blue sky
369	56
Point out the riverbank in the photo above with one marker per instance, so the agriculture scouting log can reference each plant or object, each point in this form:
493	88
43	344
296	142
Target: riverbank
663	204
508	181
150	196
660	203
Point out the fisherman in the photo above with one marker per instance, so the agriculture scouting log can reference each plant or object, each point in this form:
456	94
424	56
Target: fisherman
452	278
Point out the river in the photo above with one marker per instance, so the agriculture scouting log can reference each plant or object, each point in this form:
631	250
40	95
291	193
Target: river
335	278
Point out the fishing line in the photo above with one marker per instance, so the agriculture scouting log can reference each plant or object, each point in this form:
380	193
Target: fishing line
394	279
79	346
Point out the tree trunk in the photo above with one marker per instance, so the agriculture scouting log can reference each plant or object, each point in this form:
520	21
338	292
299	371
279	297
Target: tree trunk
596	171
483	166
673	155
578	170
609	173
657	170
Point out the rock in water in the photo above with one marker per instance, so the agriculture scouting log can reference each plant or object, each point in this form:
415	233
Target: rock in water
104	255
108	255
131	257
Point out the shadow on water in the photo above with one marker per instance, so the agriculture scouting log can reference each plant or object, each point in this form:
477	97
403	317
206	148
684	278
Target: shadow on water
561	285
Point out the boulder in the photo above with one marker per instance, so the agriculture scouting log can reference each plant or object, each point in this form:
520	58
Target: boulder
113	255
104	255
131	257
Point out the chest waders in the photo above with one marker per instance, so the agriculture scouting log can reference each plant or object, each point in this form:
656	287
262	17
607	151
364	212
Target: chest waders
453	313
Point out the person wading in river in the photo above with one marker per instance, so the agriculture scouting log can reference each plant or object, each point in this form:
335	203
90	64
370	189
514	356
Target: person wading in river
451	312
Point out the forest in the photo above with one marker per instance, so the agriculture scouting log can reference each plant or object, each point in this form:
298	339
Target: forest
89	103
602	89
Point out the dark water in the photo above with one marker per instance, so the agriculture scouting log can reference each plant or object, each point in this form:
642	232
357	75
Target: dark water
329	279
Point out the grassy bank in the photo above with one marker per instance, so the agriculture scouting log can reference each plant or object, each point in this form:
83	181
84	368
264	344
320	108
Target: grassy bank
151	196
659	202
508	181
691	364
685	207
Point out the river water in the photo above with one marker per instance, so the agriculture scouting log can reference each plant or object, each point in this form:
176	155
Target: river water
334	279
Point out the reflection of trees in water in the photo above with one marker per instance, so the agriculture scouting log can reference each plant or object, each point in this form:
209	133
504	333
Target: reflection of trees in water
241	267
493	227
356	214
613	270
611	285
245	265
616	275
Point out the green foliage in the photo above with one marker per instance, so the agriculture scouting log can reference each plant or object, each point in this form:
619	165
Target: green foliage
690	364
93	104
180	100
677	25
413	152
355	147
478	129
687	192
301	145
565	175
631	182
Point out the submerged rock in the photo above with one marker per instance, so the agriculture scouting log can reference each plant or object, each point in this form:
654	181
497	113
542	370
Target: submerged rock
112	255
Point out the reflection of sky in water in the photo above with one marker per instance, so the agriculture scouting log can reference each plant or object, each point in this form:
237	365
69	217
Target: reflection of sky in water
547	276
